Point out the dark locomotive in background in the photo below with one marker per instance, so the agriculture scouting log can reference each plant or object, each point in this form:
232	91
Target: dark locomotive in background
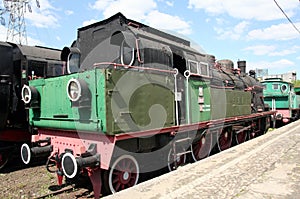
19	63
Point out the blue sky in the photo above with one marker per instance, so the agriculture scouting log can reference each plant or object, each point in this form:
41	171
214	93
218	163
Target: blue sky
251	30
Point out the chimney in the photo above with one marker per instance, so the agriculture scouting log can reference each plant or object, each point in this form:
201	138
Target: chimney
242	66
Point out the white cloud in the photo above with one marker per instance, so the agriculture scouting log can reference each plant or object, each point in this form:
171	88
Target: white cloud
279	64
291	50
247	9
43	20
271	50
169	3
143	11
34	42
86	23
210	6
43	17
220	21
164	21
241	27
130	8
101	4
260	49
45	5
234	33
3	32
284	31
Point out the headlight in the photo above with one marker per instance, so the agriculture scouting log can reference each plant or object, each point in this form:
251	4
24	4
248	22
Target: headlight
74	89
29	95
26	94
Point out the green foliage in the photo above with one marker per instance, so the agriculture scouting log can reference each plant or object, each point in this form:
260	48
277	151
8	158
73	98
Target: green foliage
296	83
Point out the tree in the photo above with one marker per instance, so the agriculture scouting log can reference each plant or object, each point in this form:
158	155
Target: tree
296	83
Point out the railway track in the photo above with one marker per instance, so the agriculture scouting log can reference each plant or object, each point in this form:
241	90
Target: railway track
34	181
19	181
68	191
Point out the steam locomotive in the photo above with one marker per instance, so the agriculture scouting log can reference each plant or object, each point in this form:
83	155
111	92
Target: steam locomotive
282	97
19	63
134	100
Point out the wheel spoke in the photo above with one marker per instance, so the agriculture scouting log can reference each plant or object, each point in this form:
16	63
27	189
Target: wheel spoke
202	147
117	187
129	166
123	164
225	139
241	137
115	180
3	160
118	168
123	174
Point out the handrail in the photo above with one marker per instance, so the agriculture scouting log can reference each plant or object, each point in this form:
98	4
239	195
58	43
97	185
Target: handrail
135	67
138	51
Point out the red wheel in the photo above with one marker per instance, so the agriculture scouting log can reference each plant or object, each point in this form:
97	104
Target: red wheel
201	148
241	137
3	160
225	139
123	174
179	160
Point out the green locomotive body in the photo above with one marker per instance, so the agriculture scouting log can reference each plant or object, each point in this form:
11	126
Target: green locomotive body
114	105
107	105
135	99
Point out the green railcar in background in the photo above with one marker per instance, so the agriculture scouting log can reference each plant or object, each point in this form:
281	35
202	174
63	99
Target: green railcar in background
282	97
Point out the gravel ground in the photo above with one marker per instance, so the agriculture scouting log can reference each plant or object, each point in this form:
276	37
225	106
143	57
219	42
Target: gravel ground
19	181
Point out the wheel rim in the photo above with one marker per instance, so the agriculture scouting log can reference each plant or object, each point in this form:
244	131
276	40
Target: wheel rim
225	139
3	160
201	148
123	174
241	137
179	160
252	134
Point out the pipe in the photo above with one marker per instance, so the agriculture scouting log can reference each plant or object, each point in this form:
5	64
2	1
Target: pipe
176	97
71	165
28	153
187	75
41	150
